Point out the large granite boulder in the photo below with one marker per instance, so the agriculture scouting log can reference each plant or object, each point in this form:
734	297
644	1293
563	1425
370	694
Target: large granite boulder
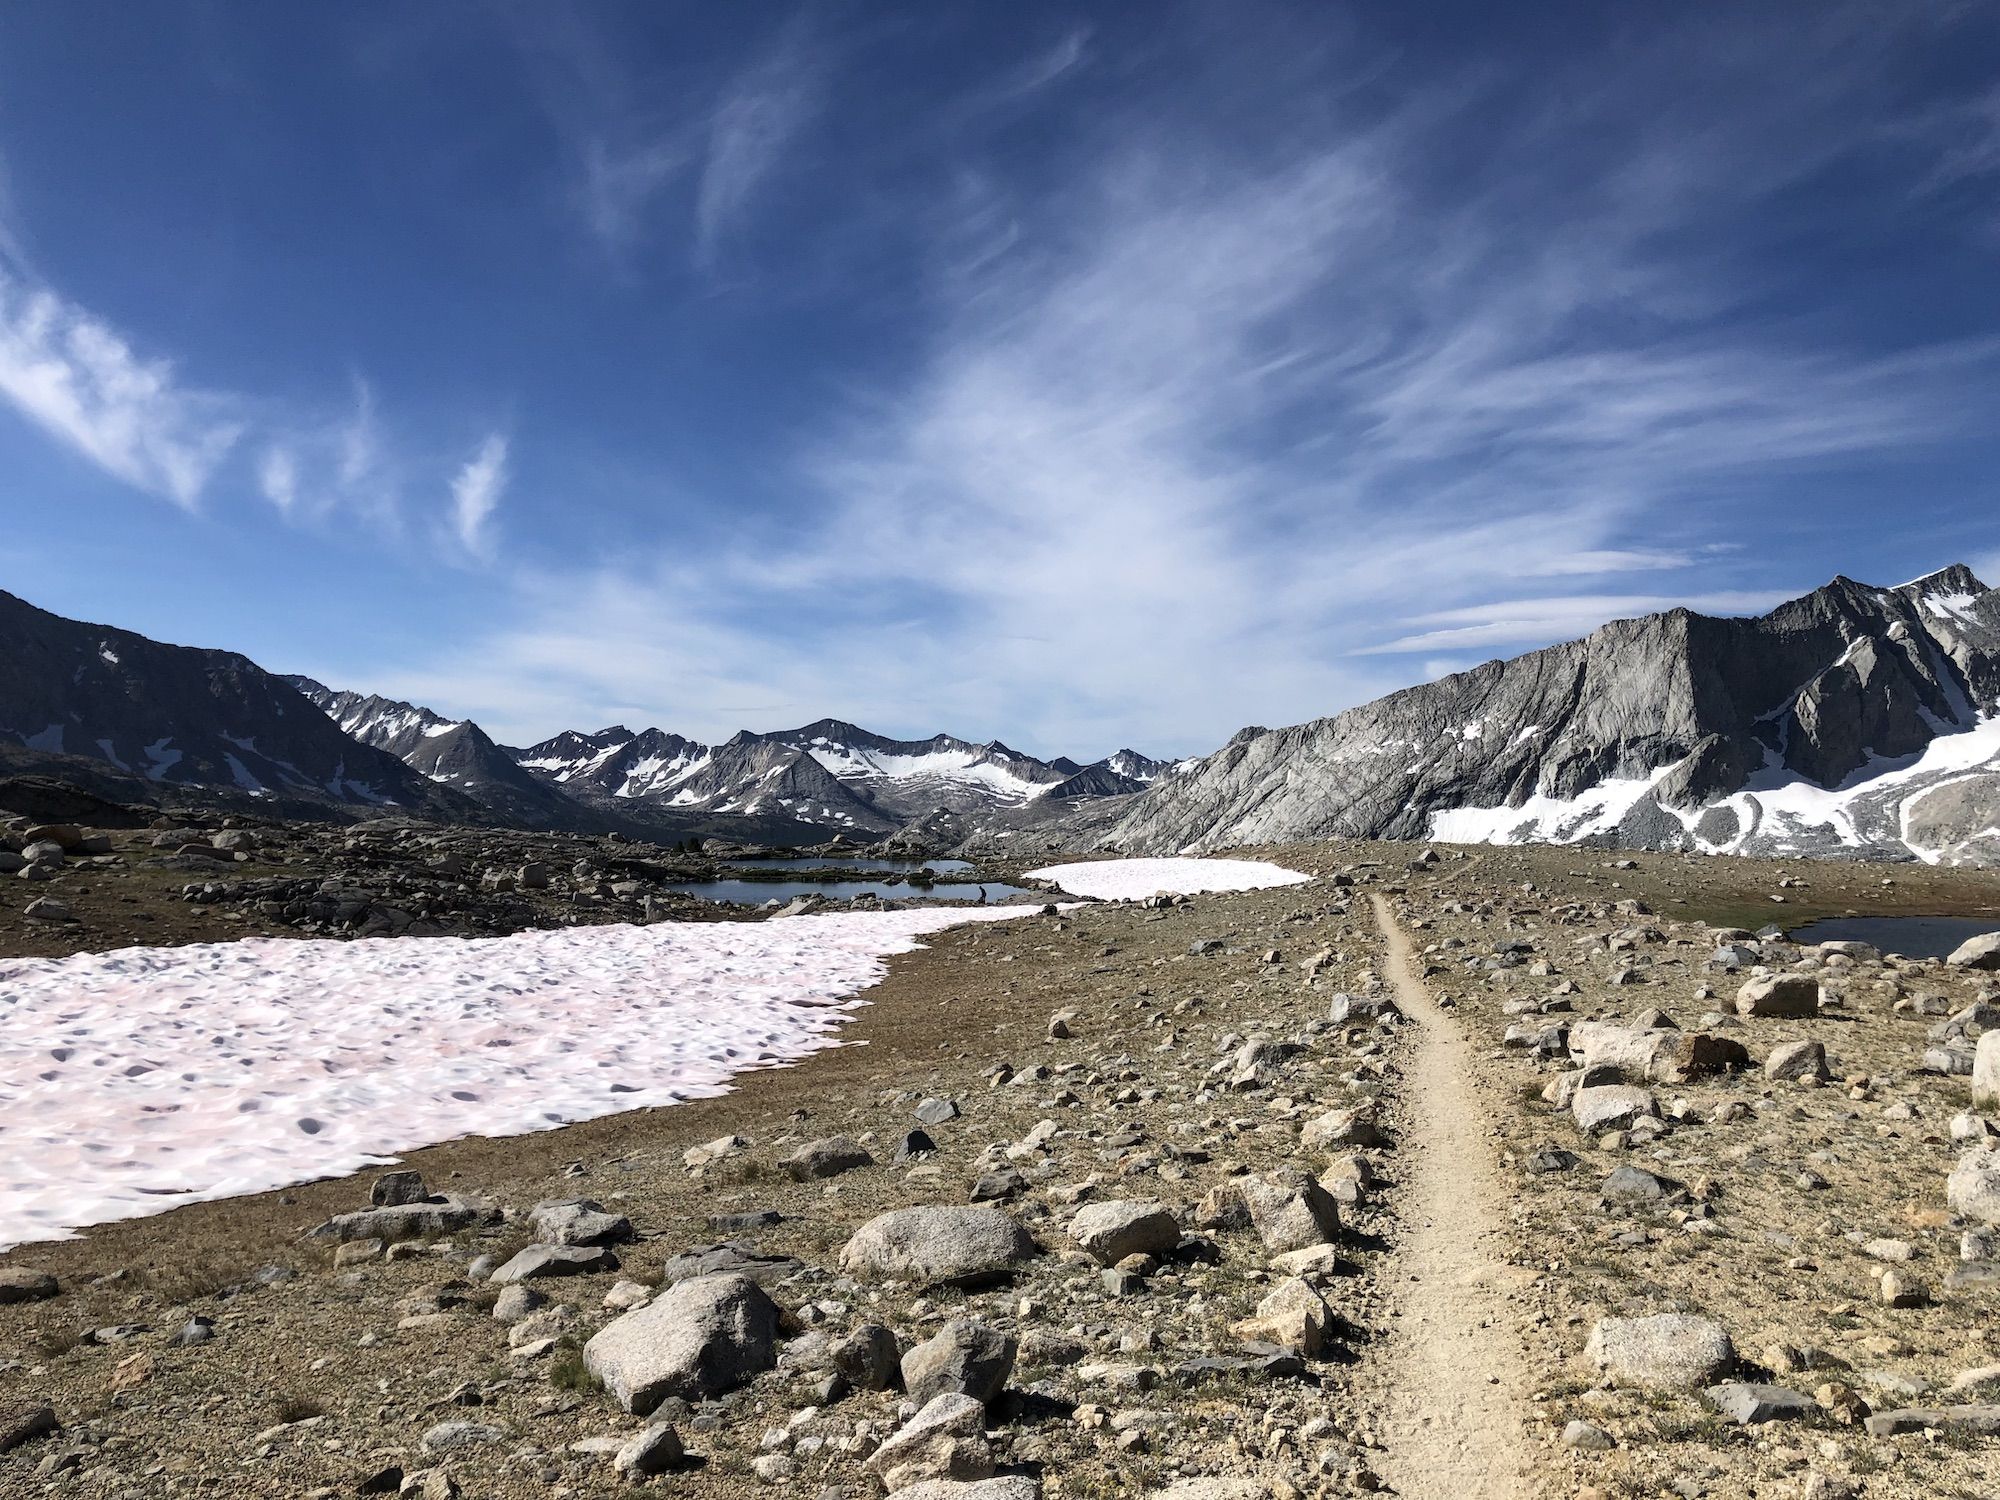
939	1243
1664	1352
695	1340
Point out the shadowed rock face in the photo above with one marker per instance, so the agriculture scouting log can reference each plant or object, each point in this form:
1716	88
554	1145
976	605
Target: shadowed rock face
1671	731
183	716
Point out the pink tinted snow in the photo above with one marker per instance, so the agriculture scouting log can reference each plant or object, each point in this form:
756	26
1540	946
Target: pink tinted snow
135	1080
1136	879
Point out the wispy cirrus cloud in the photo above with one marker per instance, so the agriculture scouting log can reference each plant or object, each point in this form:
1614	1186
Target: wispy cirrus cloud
81	382
617	184
1558	617
311	469
715	147
754	124
476	491
1215	435
76	378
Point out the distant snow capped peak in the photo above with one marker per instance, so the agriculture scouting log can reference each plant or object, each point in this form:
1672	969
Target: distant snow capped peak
829	771
1136	767
1852	720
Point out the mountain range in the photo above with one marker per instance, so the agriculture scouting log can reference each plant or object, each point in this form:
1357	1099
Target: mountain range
140	719
1857	720
143	721
1854	721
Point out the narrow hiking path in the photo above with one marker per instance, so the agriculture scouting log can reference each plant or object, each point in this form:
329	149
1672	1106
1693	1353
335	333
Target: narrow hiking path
1451	1369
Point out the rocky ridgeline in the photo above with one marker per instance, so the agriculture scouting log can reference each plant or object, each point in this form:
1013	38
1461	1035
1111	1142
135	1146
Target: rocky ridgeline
1762	1182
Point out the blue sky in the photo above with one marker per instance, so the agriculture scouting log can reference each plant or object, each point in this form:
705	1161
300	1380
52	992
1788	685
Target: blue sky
1075	374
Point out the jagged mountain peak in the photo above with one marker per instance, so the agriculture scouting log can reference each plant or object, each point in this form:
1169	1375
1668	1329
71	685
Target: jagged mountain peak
1956	578
1851	718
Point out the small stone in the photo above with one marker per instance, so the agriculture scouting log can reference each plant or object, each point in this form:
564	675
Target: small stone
654	1451
579	1221
395	1189
1902	1289
26	1284
1981	952
556	1260
1749	1405
826	1158
938	1244
965	1356
1290	1210
22	1421
944	1440
517	1301
1796	1060
1664	1352
869	1358
1294	1316
696	1340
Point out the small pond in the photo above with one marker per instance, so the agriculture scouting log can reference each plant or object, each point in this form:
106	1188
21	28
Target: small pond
1913	937
820	862
757	892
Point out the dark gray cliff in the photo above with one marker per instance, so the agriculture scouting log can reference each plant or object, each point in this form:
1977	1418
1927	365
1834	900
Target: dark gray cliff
183	716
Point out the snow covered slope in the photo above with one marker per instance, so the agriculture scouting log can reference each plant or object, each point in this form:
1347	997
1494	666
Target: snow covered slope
1856	720
227	1068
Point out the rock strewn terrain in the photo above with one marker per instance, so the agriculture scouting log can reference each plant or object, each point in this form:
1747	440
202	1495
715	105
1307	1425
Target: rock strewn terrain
1730	1160
73	888
1126	1201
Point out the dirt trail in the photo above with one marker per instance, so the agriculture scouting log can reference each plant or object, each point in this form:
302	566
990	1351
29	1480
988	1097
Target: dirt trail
1452	1421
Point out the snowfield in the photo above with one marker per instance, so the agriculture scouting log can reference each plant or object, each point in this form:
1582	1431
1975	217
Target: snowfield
1136	879
136	1080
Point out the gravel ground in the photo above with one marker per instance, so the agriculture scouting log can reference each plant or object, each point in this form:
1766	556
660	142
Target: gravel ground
1201	1058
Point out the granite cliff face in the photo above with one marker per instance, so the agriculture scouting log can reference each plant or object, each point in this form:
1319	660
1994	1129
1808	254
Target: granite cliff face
1855	720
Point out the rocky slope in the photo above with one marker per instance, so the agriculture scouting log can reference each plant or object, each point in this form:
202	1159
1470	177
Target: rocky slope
1855	720
180	717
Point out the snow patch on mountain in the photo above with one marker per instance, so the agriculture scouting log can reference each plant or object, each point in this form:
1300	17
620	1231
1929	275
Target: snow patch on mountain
1546	820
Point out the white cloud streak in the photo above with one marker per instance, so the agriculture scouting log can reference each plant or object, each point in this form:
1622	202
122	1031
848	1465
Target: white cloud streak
1511	621
1209	440
475	496
629	155
78	380
754	125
